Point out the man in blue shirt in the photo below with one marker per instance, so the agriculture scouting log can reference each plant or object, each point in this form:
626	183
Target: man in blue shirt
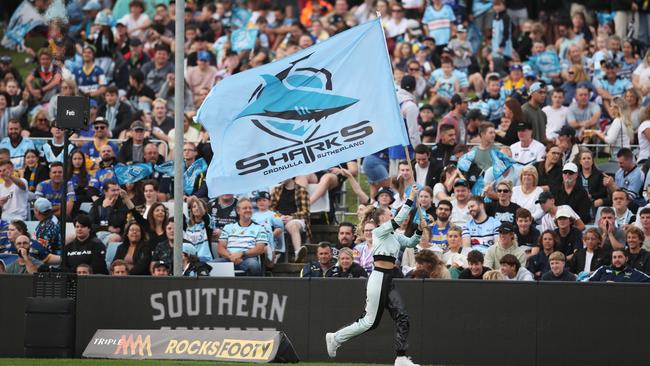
629	177
243	242
16	143
610	85
52	189
90	78
100	139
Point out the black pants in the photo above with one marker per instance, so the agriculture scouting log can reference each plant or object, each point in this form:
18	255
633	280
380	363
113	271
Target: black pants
381	294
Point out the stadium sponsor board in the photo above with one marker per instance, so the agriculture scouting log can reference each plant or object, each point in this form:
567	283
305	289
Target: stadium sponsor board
214	345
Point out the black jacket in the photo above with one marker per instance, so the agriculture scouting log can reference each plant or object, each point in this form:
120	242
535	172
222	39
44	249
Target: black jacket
122	120
595	186
601	258
466	274
313	269
90	251
141	257
639	261
430	180
625	274
552	178
102	217
125	155
441	156
565	276
578	200
355	271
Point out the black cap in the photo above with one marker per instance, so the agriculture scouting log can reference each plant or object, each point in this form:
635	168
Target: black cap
566	130
161	264
524	125
475	114
427	106
262	194
506	227
388	191
544	196
135	41
611	64
461	182
408	83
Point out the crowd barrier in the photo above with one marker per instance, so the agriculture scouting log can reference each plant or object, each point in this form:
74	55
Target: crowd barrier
452	322
38	141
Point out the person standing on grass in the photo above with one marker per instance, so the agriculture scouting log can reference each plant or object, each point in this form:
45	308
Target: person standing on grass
380	292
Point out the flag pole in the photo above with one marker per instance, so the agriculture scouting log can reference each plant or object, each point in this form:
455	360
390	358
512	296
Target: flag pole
179	103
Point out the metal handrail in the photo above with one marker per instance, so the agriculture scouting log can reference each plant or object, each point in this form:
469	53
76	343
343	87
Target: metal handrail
118	141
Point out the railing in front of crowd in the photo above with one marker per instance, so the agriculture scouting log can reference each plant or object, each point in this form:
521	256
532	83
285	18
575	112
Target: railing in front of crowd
39	141
595	148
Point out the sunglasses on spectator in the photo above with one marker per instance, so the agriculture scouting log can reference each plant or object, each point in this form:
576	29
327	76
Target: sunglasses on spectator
100	127
503	190
41	120
414	69
571	72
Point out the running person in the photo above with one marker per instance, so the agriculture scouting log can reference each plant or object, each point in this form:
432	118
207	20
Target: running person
380	292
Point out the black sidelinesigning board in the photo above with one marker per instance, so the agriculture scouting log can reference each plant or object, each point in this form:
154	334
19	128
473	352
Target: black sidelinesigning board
14	290
191	303
452	322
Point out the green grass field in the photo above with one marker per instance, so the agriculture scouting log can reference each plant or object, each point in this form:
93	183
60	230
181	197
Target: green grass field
88	362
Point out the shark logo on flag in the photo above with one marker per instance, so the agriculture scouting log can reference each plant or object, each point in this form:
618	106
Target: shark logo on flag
331	103
290	103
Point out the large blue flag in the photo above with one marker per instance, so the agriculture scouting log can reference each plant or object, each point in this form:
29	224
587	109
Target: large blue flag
331	103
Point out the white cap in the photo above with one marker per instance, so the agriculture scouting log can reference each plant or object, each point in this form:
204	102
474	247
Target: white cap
570	167
563	211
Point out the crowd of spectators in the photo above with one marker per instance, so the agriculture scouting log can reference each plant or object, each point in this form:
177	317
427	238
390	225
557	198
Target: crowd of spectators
504	102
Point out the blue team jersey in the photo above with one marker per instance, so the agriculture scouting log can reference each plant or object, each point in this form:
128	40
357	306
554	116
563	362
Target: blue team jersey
498	33
45	189
494	106
17	153
447	83
439	236
269	221
479	7
616	89
631	182
36	250
103	175
483	235
91	150
240	239
197	235
439	23
90	82
544	64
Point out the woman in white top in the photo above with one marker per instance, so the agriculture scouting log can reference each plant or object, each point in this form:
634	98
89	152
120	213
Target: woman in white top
445	187
643	134
526	194
619	132
641	76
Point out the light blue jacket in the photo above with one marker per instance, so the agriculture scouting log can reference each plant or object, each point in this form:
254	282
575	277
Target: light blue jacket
385	241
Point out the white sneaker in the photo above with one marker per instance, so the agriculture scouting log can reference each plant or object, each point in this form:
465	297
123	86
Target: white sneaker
404	361
332	344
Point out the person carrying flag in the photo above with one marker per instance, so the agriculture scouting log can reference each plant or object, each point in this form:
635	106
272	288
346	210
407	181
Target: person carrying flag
380	291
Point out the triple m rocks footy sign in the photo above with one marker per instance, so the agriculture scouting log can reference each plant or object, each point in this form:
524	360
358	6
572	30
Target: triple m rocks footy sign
238	346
